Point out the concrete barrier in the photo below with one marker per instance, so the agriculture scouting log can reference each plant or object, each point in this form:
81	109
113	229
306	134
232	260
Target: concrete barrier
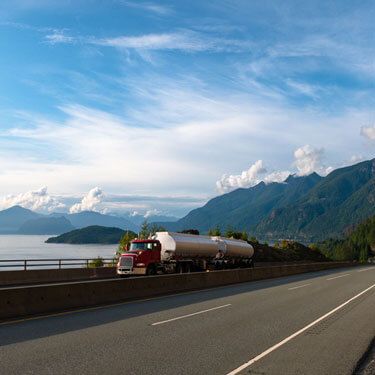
54	275
40	299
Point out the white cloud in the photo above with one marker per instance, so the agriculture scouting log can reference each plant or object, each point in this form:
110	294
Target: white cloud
174	138
277	176
251	177
368	132
90	201
308	159
36	200
153	212
245	179
58	36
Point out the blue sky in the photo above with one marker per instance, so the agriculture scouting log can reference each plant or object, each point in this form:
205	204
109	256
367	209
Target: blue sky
162	105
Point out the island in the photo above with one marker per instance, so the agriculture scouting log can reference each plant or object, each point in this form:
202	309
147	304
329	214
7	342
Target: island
94	234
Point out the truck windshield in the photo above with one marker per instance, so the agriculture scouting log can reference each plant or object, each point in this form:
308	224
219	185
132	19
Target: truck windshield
141	246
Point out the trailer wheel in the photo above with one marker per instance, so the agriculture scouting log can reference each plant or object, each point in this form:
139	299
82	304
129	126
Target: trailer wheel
179	268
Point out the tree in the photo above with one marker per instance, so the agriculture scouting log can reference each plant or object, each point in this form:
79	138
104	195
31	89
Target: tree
145	230
125	241
148	230
229	232
253	239
214	232
155	228
191	231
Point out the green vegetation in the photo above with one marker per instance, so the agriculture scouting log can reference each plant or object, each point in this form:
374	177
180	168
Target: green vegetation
342	199
358	245
190	231
148	230
286	251
215	232
89	235
125	241
97	262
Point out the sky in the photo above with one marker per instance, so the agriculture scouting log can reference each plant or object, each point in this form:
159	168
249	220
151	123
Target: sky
154	107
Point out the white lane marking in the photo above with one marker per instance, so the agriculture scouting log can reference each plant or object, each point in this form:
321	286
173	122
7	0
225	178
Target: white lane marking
299	286
188	315
366	269
276	346
337	277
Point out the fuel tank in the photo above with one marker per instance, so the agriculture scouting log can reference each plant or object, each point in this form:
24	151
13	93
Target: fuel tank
183	245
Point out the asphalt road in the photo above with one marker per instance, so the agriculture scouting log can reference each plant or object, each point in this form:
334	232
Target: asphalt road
315	323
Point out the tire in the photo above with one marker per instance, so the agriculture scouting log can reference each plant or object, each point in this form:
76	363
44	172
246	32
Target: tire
151	270
179	268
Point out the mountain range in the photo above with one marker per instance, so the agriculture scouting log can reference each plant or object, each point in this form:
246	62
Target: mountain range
306	208
19	220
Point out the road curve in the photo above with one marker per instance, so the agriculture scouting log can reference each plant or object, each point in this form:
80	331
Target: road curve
315	323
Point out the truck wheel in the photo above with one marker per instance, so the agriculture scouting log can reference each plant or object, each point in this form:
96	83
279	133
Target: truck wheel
151	270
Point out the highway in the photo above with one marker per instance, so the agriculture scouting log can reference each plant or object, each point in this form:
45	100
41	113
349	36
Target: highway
314	323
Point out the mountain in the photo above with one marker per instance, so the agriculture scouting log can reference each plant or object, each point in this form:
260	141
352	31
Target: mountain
243	209
305	208
343	198
92	234
89	218
12	218
46	225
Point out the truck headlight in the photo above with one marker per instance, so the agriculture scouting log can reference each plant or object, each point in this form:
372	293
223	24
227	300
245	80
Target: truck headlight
140	264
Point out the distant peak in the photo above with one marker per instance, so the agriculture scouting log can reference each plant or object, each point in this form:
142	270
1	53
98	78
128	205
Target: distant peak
17	208
290	178
293	177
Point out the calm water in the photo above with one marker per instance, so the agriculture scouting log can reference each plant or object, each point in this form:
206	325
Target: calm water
32	247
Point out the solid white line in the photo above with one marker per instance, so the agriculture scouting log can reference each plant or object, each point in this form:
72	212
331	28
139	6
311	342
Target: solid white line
299	286
367	269
273	348
337	277
188	315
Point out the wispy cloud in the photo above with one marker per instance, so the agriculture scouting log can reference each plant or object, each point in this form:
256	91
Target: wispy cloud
149	7
59	36
183	40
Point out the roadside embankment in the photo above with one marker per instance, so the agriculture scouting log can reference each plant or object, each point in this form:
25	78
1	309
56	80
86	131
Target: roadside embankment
40	299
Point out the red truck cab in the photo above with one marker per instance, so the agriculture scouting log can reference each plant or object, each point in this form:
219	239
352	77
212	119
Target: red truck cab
141	258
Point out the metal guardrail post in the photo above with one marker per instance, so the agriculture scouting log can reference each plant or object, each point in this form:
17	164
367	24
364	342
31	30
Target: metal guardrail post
25	265
59	264
87	263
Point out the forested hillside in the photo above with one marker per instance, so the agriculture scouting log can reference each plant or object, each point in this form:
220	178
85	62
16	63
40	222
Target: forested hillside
359	244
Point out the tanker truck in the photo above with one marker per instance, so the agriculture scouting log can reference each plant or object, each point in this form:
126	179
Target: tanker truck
169	252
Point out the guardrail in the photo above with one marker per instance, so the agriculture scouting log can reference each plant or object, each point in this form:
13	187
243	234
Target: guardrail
55	263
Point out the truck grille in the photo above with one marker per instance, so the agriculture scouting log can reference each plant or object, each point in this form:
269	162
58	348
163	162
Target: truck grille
126	263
